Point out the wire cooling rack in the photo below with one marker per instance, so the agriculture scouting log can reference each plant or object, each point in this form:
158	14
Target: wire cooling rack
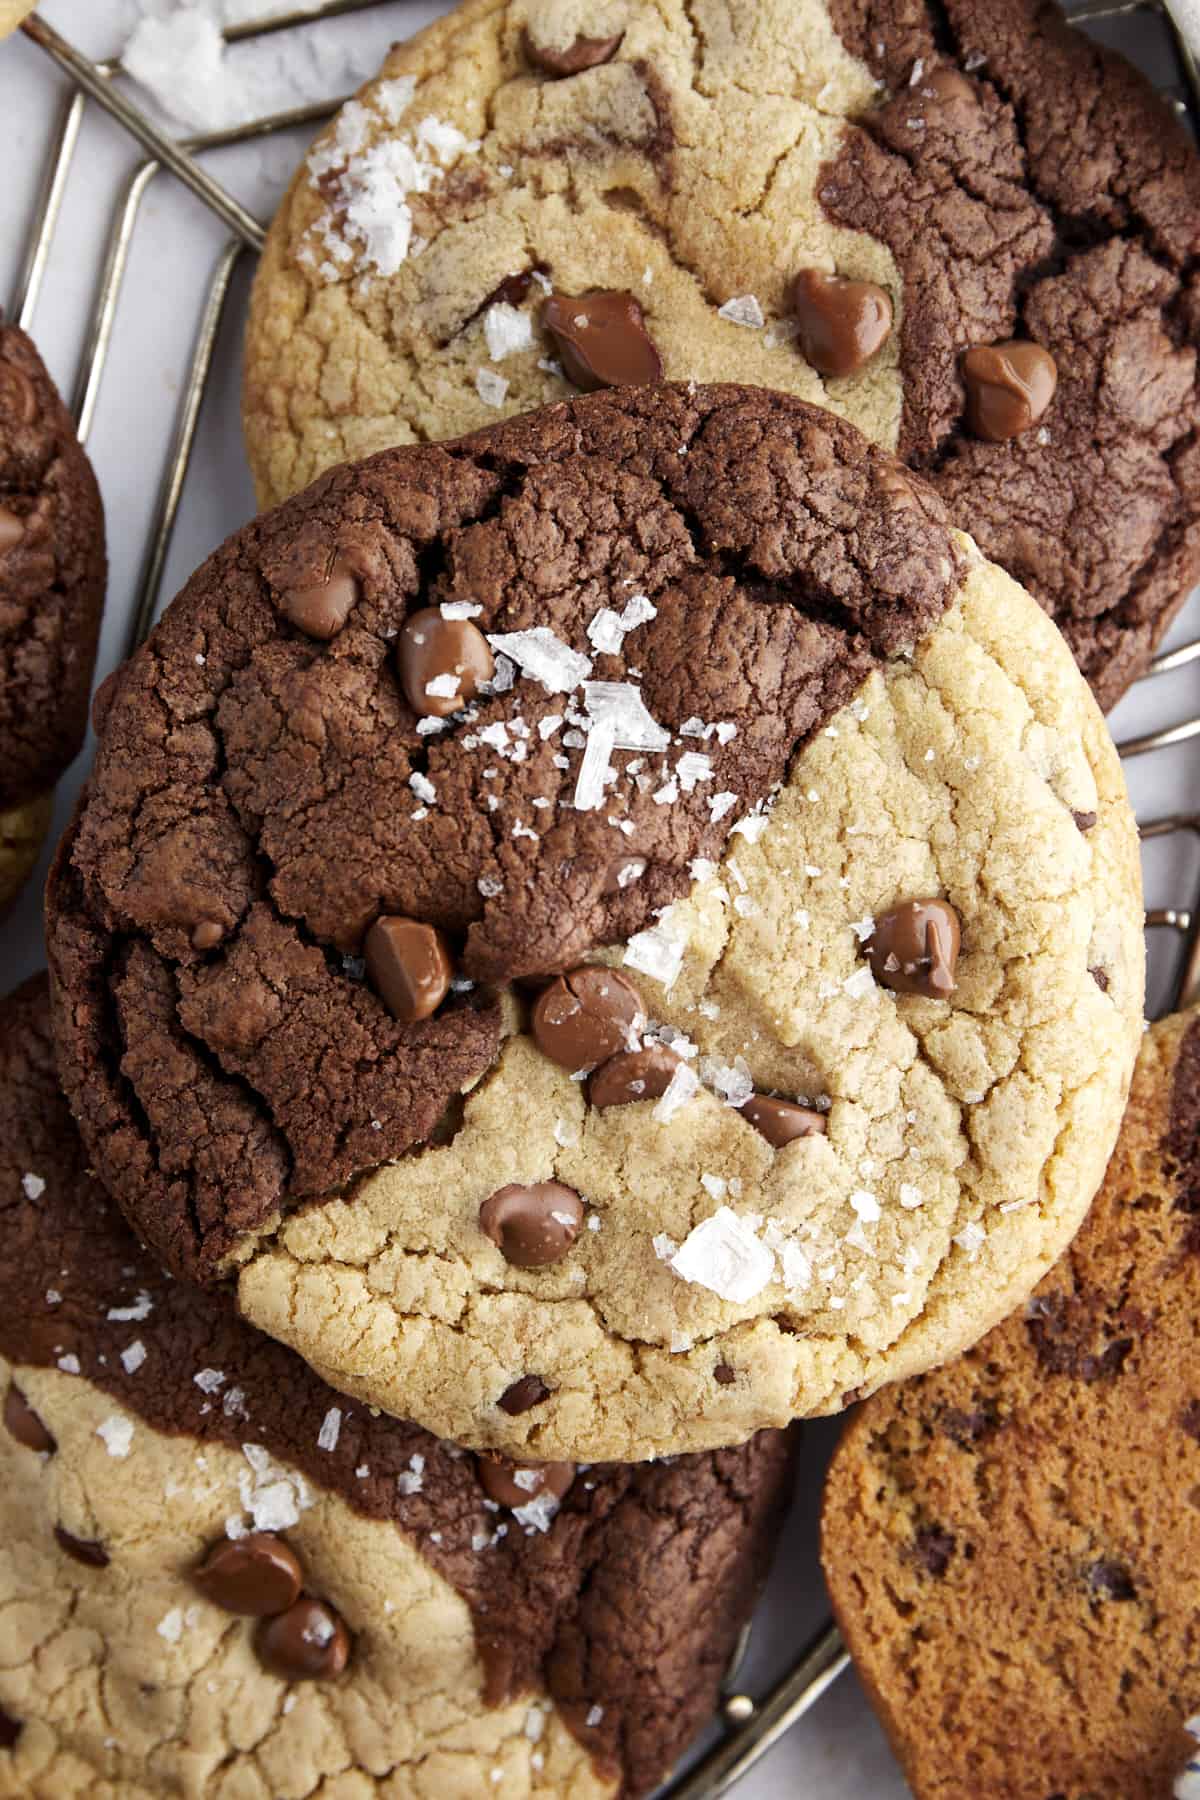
749	1726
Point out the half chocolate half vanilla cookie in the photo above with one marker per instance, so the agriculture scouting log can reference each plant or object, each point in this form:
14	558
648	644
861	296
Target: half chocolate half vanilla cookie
615	932
219	1577
958	223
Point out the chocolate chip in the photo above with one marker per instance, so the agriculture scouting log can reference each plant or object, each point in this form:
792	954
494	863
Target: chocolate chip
509	292
779	1121
257	1575
207	934
514	1484
10	1730
842	323
409	967
583	53
1100	977
320	611
532	1226
1084	820
914	948
933	1549
23	1423
18	400
1009	386
586	1016
85	1550
1111	1580
602	340
724	1374
967	1428
941	87
521	1395
451	655
12	530
1189	1419
634	1075
309	1642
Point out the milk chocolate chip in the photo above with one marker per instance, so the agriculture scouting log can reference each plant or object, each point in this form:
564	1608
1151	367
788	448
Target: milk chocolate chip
18	401
586	1016
409	967
12	530
634	1075
22	1422
522	1395
1009	387
87	1551
10	1730
321	610
442	662
842	323
308	1642
779	1121
602	340
914	948
258	1575
532	1226
207	934
584	53
516	1484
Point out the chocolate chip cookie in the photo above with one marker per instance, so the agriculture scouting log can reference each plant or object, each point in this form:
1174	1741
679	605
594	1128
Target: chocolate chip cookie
963	226
615	932
197	1528
52	574
1010	1543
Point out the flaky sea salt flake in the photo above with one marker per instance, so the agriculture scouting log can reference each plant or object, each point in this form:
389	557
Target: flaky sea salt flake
544	657
724	1255
743	309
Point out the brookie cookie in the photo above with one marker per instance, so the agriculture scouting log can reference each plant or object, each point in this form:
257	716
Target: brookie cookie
52	573
963	226
616	931
216	1577
1011	1543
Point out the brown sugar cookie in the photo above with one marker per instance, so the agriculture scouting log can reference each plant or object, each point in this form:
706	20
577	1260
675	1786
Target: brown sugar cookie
963	226
1011	1543
738	964
219	1577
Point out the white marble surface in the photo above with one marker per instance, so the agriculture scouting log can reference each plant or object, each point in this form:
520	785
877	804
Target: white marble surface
838	1751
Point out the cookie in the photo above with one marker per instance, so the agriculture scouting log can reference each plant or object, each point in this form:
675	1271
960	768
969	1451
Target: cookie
736	780
52	575
1010	1543
219	1577
964	227
12	12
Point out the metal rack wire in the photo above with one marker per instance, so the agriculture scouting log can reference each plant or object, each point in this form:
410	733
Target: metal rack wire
750	1726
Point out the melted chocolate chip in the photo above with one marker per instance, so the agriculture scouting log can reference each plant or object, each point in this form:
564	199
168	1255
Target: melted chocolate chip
602	340
522	1395
320	611
88	1551
257	1576
308	1642
12	530
409	967
842	323
914	948
18	400
634	1075
23	1424
586	1016
1111	1580
933	1549
452	655
1189	1419
207	934
779	1121
1084	820
532	1226
1100	977
1009	387
10	1730
583	53
942	87
516	1484
724	1375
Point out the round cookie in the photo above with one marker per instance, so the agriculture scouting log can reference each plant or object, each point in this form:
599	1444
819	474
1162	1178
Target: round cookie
182	1500
52	575
12	12
752	698
1010	214
1010	1542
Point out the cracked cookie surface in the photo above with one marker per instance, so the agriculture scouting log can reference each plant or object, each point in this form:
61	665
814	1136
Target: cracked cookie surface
842	707
996	175
491	1650
1010	1542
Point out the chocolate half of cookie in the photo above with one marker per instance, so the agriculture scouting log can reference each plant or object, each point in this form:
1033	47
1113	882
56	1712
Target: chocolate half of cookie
1010	1543
202	1519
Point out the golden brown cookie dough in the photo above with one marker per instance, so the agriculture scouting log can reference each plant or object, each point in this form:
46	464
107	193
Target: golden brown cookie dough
12	12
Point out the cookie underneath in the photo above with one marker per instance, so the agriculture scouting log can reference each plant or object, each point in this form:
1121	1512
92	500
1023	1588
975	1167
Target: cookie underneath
1010	1543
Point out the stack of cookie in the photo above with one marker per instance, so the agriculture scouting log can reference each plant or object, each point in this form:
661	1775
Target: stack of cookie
612	922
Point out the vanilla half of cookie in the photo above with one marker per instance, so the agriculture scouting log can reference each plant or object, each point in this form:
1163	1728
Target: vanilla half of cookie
218	1576
1010	1543
615	932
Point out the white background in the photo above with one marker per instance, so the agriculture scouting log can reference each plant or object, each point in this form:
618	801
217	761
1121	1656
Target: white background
837	1751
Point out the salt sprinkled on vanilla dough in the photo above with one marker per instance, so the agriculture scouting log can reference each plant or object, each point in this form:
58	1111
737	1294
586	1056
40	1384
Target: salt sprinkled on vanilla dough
683	1084
507	330
743	309
490	387
117	1434
657	952
725	1255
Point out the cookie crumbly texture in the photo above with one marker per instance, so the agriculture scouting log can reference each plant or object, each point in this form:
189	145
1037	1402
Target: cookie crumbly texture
487	1658
52	576
1046	192
887	715
1010	1542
